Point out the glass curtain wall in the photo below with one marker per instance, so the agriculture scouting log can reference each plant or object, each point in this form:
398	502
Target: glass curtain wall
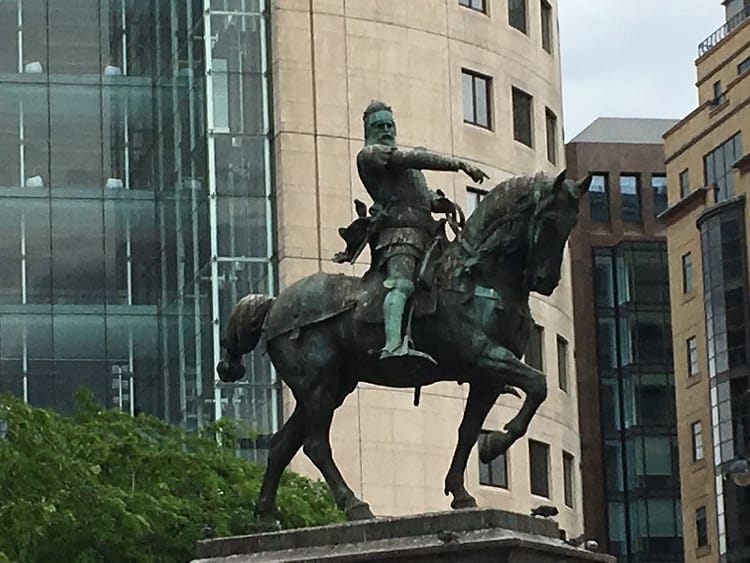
723	244
130	219
636	386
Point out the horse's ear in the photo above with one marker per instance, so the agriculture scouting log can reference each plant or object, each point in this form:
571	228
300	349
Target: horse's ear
557	186
584	185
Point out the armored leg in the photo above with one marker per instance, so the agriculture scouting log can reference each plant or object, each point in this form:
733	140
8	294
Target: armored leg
394	306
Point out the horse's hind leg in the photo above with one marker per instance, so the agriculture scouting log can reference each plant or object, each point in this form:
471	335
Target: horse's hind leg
319	406
284	444
478	405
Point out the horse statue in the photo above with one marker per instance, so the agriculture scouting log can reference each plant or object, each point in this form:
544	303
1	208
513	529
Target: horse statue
323	334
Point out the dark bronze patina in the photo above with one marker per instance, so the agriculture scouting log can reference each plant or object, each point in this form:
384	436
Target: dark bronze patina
469	312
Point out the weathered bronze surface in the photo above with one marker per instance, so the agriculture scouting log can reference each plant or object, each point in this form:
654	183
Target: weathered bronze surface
465	306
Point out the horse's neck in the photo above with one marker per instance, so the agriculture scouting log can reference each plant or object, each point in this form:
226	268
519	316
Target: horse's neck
499	275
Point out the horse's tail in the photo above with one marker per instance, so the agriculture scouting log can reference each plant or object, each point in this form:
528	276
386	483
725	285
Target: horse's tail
242	334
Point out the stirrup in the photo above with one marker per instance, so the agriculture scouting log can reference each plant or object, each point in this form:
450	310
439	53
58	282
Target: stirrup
406	349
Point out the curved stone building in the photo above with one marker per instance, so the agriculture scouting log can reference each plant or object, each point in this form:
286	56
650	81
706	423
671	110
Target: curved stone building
473	78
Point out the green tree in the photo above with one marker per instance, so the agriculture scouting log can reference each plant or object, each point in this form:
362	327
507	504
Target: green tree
103	486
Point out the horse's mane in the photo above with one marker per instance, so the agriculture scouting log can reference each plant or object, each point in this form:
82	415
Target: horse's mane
499	224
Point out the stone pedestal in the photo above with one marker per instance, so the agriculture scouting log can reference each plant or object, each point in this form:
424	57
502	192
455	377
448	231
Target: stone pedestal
477	536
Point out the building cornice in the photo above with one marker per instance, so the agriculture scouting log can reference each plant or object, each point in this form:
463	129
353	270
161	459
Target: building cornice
684	206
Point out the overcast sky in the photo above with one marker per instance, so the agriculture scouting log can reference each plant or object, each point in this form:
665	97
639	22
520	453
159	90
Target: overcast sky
631	59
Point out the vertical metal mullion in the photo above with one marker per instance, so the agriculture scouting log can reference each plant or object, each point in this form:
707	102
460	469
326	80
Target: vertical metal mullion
212	203
266	120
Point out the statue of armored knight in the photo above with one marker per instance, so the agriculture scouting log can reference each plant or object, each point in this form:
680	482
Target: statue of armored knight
401	226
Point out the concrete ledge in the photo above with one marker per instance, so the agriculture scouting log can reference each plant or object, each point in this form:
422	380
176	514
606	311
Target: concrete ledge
467	535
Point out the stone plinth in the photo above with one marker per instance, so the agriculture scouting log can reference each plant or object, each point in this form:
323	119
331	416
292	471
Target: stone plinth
477	535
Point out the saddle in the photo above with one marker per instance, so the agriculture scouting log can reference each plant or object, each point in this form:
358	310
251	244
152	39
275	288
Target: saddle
323	296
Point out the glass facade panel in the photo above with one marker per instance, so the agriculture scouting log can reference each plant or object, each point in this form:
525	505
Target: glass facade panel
108	276
639	437
717	167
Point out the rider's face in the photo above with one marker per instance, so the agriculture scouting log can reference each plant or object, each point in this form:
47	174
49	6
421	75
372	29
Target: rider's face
381	129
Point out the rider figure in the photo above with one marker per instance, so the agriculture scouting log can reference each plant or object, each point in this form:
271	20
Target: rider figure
394	180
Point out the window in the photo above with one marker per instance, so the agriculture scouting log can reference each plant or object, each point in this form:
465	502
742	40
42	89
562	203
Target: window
522	117
539	468
684	183
546	26
701	526
692	356
535	348
687	273
478	5
568	479
717	167
599	198
744	66
719	96
494	473
659	189
477	90
551	122
562	362
697	431
473	197
517	14
630	198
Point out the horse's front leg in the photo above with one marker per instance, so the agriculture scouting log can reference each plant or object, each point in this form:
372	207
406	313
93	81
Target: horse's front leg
517	374
478	405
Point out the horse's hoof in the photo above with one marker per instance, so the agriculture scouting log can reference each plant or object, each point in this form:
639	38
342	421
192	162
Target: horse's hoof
466	502
359	511
230	371
492	445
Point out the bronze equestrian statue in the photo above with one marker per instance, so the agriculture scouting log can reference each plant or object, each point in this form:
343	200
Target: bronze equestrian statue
469	313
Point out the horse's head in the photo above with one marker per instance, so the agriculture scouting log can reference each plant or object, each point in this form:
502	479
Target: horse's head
550	225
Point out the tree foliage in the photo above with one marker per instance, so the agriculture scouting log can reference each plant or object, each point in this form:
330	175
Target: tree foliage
103	486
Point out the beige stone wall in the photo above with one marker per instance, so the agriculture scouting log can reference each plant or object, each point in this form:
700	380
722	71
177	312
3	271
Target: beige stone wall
686	144
329	59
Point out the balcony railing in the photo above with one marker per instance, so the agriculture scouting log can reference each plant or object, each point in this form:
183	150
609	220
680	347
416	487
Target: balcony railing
712	40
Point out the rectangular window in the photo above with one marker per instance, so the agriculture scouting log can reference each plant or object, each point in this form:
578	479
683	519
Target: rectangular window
546	26
568	479
687	273
535	348
744	66
539	468
659	191
473	197
599	198
494	473
522	118
477	93
684	183
562	362
701	526
697	431
478	5
551	122
692	356
717	167
630	198
719	95
517	14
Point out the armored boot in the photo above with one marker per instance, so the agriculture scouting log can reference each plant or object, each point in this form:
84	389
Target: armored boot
398	344
394	306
